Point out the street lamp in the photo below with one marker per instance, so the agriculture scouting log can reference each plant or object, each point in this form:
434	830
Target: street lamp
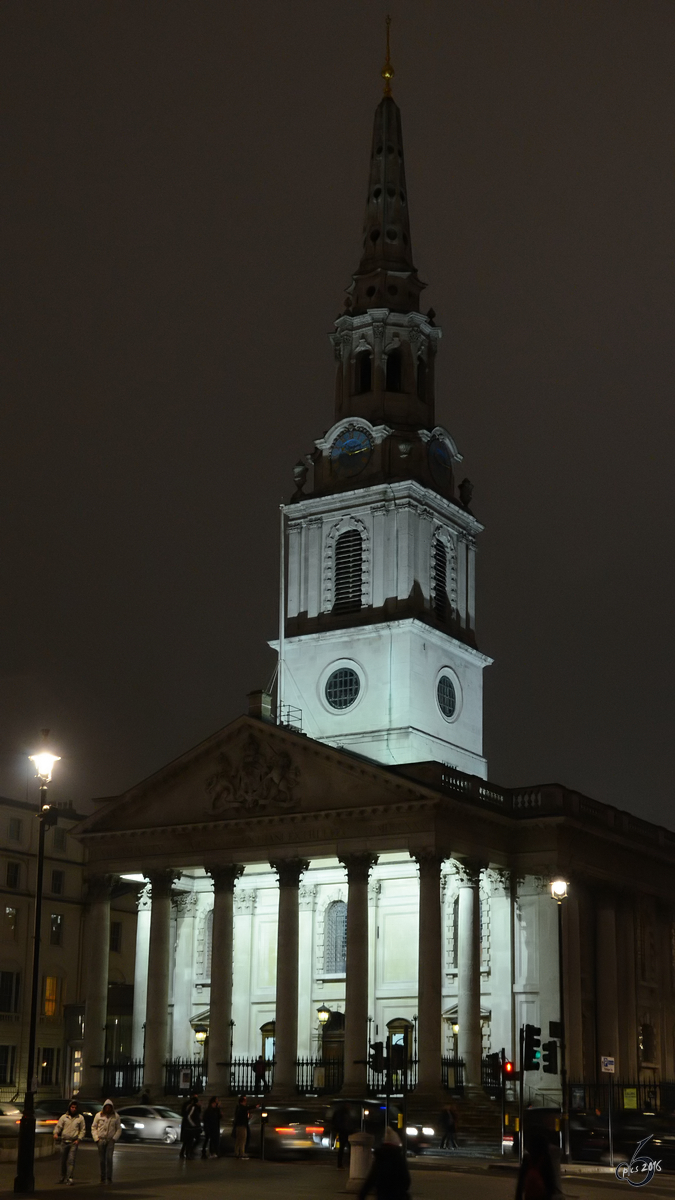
25	1180
324	1014
559	893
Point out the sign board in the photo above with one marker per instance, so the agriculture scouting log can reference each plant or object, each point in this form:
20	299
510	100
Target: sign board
607	1065
185	1080
630	1097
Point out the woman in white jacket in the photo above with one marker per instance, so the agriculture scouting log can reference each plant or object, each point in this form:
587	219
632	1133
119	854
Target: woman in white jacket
106	1129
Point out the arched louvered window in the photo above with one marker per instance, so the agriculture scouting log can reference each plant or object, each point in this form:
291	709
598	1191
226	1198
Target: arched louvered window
363	372
421	378
348	571
335	939
209	944
394	371
439	570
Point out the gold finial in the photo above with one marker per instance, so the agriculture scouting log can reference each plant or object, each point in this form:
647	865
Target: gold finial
387	70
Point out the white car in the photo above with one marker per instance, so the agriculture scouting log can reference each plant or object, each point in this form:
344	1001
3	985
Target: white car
10	1116
152	1121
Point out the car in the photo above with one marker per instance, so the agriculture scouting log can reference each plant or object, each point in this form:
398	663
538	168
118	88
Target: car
421	1137
10	1116
288	1132
47	1113
366	1113
149	1122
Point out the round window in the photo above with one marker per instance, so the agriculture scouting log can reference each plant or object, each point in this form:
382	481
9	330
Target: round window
342	687
447	697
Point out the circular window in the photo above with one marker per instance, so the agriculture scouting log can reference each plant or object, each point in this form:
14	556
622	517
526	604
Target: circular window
342	687
447	697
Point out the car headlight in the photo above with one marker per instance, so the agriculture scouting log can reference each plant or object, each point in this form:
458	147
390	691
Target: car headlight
139	1125
427	1131
411	1131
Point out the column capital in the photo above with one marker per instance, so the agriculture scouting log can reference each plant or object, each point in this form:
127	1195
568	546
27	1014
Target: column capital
161	882
358	866
289	870
224	877
429	862
469	871
99	887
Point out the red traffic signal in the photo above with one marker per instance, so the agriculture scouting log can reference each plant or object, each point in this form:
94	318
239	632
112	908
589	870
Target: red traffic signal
508	1068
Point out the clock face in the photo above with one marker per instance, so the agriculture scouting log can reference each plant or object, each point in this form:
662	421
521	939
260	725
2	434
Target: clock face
440	463
350	452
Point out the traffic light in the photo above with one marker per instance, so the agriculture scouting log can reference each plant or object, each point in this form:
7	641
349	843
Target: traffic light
508	1069
550	1058
532	1054
376	1057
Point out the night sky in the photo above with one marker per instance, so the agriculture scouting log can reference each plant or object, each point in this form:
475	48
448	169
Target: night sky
182	197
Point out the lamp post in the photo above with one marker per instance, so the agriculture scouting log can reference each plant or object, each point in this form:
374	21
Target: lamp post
25	1181
559	893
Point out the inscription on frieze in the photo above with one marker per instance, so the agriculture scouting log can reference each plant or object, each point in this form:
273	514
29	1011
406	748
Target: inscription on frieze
258	777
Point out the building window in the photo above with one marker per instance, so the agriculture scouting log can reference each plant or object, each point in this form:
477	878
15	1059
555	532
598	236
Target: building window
116	936
342	688
647	1042
49	1059
58	878
55	929
10	922
335	939
15	829
394	371
447	697
348	571
421	378
439	571
60	838
209	942
7	1064
13	875
51	996
363	373
9	991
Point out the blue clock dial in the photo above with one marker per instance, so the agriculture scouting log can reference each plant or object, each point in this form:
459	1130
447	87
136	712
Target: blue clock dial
350	452
440	463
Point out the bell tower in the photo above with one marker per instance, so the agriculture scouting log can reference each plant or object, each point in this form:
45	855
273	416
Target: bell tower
379	648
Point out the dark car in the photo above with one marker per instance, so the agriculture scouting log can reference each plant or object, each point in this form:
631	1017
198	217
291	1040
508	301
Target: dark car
366	1114
288	1132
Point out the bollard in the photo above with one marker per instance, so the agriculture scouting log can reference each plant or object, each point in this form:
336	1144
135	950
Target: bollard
360	1159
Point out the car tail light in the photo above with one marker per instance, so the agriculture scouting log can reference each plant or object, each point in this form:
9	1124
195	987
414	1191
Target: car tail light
314	1129
284	1129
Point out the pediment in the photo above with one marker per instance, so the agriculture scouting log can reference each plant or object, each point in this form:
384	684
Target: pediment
249	770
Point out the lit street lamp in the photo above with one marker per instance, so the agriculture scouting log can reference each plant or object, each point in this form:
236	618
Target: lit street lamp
324	1014
559	893
25	1181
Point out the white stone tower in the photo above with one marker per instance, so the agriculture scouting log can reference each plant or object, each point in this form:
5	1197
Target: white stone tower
379	650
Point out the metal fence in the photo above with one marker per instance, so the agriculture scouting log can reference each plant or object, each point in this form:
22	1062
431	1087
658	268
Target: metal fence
452	1074
122	1078
400	1080
316	1076
243	1078
491	1074
182	1075
650	1096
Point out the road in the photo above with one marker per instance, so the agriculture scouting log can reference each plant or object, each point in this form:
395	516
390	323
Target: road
153	1172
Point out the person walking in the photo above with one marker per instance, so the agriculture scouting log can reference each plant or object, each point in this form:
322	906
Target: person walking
211	1122
240	1128
389	1177
106	1129
191	1127
259	1069
70	1129
342	1125
536	1178
448	1140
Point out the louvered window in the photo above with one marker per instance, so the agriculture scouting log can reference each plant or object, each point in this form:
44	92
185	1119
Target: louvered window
394	380
335	940
348	571
363	372
209	943
440	580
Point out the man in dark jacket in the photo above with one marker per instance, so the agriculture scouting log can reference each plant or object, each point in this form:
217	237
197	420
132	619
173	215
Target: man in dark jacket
240	1128
191	1127
389	1177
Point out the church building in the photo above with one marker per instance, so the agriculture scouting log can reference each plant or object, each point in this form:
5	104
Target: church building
335	867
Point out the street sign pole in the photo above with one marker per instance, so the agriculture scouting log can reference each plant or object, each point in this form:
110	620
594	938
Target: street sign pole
520	1102
607	1068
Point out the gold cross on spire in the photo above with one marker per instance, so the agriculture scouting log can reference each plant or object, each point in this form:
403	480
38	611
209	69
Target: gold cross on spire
387	70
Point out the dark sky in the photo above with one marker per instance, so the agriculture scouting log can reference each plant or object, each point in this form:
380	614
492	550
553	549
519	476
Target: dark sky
182	202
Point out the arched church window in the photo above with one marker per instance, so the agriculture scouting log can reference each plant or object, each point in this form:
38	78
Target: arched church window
363	372
394	371
439	572
209	944
421	378
348	571
335	938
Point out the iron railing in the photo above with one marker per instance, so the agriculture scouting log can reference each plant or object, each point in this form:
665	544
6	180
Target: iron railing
491	1075
652	1096
400	1079
122	1078
316	1076
183	1075
452	1074
243	1078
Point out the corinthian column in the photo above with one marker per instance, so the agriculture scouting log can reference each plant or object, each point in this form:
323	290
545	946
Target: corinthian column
224	879
358	868
159	966
286	1018
96	999
468	1000
429	975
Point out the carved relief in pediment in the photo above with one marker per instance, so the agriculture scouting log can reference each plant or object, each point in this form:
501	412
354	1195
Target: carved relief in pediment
257	777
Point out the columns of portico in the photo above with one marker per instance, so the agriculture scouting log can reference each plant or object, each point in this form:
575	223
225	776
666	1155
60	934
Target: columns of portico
159	966
141	974
607	980
96	999
429	998
224	879
468	999
358	867
286	1018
